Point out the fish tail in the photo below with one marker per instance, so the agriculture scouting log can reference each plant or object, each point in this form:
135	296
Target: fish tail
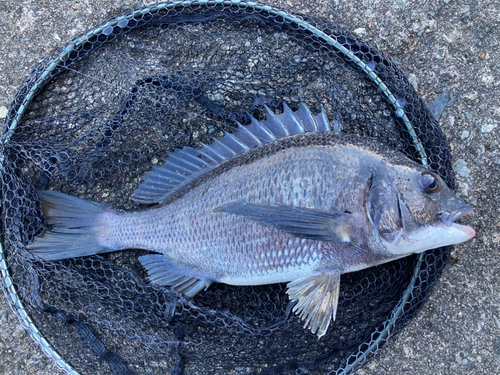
76	227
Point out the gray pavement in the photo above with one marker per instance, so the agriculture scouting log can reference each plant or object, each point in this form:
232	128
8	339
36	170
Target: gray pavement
446	46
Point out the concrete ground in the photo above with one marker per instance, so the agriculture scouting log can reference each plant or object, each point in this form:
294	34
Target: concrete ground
443	46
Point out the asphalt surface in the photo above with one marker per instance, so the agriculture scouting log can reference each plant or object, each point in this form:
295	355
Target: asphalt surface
445	46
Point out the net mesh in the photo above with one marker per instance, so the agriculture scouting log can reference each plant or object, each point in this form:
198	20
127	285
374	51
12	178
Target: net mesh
92	119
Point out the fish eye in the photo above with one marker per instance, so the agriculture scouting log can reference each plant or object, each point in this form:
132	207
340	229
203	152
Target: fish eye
428	183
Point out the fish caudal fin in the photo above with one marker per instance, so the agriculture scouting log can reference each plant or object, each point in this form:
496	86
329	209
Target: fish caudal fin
75	227
317	298
164	271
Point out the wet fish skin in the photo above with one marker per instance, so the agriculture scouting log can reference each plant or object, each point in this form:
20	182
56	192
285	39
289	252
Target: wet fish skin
230	247
302	207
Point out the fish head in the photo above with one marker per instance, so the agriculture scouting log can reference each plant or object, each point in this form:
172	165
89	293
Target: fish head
417	211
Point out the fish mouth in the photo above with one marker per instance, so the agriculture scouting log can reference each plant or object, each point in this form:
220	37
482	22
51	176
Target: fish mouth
450	217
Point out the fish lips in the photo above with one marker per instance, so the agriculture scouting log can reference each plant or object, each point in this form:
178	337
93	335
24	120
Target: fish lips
449	219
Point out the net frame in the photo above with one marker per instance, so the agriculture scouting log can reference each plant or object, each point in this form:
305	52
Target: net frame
120	24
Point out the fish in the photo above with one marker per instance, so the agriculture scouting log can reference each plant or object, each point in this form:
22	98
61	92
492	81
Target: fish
288	199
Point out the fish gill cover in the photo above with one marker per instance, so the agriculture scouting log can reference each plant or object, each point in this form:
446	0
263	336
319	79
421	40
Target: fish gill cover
95	117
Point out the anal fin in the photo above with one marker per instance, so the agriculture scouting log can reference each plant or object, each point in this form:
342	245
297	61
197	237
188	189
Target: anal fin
317	298
163	271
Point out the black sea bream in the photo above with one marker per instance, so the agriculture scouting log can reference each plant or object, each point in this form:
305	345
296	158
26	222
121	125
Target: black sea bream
282	200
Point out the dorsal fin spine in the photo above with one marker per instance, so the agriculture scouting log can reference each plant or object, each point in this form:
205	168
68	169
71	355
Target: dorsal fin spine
168	172
238	141
153	190
244	137
185	160
264	128
306	118
174	168
321	120
215	155
275	124
218	142
187	152
172	163
236	145
180	161
202	152
250	134
168	178
289	113
216	152
186	164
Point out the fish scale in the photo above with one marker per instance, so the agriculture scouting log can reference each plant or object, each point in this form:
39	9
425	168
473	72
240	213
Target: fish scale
260	206
173	237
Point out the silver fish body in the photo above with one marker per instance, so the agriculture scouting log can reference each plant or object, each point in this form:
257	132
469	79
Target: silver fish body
303	208
240	251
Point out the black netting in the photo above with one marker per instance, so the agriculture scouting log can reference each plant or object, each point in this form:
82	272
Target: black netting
101	112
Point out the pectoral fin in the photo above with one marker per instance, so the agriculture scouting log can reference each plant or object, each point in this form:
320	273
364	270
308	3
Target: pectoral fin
317	298
302	222
163	271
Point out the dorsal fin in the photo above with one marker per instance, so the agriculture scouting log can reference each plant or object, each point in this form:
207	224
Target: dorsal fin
186	164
